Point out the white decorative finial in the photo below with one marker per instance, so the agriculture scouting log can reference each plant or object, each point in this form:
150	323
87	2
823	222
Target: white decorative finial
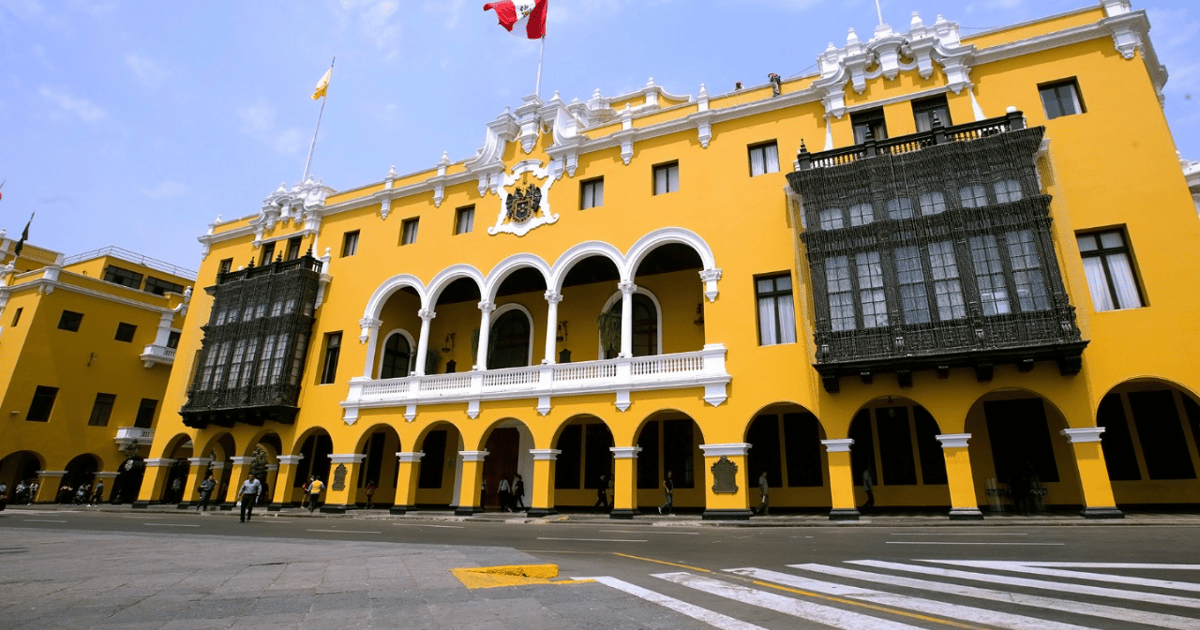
916	21
650	82
703	91
445	158
852	38
392	174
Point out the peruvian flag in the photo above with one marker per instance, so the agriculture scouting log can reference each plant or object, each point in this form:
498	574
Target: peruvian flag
524	18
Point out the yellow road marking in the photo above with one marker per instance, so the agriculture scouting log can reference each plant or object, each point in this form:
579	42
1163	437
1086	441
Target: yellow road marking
884	609
511	575
670	564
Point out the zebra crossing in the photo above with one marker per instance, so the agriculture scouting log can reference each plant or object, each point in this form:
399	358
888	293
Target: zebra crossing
872	594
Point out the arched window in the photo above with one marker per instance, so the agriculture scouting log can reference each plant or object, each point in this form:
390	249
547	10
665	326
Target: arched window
509	341
645	327
396	357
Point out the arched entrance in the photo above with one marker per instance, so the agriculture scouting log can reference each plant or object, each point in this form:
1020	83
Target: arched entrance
895	443
786	444
18	467
1151	433
670	442
177	473
316	448
508	445
80	471
584	442
510	340
440	467
379	469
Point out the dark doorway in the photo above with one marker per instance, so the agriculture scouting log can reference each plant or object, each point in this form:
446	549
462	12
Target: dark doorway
503	447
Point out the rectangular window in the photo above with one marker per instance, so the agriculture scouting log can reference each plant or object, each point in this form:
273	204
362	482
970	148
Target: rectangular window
666	178
974	196
224	266
268	253
900	208
333	347
913	298
832	219
870	121
17	315
870	289
841	292
926	109
591	193
123	277
1108	264
1027	271
70	320
861	214
776	315
1007	190
932	203
947	289
464	220
293	250
173	339
1061	98
350	243
145	414
764	158
125	332
989	275
158	286
43	404
102	410
408	231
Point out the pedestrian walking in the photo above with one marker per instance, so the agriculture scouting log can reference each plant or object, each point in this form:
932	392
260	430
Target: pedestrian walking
868	482
314	493
34	486
206	488
519	492
669	490
370	494
176	490
505	491
248	496
304	492
98	493
602	494
763	489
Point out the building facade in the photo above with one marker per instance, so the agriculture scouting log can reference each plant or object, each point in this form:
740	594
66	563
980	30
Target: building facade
86	347
963	291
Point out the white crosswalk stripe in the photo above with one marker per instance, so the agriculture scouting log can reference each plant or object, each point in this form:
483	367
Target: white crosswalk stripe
908	602
828	615
871	596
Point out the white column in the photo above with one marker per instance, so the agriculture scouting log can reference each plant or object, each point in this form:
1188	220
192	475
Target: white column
426	316
552	300
486	309
369	333
627	290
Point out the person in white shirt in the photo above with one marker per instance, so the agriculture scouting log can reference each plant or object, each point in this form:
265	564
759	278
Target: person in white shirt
248	495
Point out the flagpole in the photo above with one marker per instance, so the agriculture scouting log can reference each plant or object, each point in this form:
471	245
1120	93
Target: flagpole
313	145
538	90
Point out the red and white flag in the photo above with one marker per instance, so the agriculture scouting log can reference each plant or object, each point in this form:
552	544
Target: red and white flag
524	18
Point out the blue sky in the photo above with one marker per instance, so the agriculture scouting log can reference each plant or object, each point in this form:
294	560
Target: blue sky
136	123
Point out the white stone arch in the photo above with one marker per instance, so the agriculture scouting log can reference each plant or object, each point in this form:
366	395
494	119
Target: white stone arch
616	297
515	306
563	265
412	356
447	276
506	267
709	273
375	303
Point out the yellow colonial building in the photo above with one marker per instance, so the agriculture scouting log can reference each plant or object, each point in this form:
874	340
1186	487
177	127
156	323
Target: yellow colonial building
86	347
944	268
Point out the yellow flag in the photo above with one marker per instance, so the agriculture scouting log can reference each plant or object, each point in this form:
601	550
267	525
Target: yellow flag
323	84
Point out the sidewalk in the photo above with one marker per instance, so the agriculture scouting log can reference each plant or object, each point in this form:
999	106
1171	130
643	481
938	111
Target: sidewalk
877	519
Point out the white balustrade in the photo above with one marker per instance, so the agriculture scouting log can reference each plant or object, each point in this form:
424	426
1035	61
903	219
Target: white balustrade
705	368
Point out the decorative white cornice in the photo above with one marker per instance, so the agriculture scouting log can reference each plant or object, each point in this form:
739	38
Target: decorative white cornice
347	458
290	460
837	446
544	454
1083	436
954	440
625	452
726	450
199	461
472	456
49	282
410	458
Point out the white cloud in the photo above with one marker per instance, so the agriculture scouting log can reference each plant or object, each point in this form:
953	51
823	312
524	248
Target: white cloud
68	106
166	190
258	122
375	22
387	115
453	10
147	70
1174	36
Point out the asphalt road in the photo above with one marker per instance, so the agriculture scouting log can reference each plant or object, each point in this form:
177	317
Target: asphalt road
666	574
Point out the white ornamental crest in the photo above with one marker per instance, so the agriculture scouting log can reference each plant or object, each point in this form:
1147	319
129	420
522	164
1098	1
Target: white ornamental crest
524	8
524	200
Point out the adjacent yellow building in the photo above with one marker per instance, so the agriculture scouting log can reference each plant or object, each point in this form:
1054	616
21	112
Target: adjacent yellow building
944	268
86	347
